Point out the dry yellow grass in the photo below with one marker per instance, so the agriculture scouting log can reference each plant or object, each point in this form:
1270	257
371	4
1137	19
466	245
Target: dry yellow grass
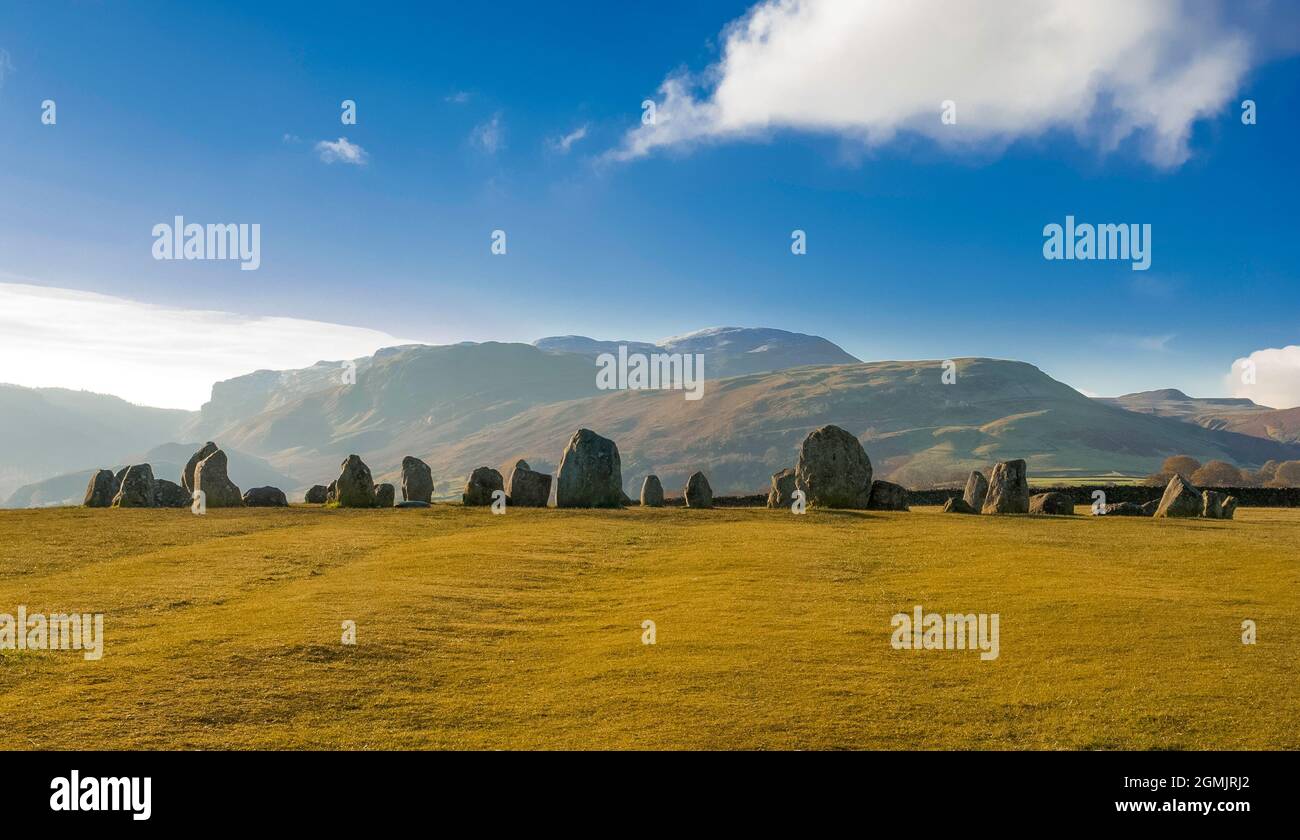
524	630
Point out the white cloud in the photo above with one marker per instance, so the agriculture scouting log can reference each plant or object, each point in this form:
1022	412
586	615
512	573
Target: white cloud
155	355
869	69
490	136
341	151
1276	374
563	144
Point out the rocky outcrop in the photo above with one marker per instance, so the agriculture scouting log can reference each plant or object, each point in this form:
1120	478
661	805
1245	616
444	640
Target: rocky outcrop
99	492
137	488
977	488
1008	489
783	486
528	488
417	480
355	487
385	495
317	495
212	480
958	506
833	469
265	497
169	494
480	486
1180	500
187	474
590	473
1051	504
698	493
885	495
652	492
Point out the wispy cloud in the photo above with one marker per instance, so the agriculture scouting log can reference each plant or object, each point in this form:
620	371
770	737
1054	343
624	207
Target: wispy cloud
342	151
6	66
459	97
168	357
489	136
563	144
1148	343
290	139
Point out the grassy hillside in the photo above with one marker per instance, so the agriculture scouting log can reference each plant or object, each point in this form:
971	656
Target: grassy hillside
524	630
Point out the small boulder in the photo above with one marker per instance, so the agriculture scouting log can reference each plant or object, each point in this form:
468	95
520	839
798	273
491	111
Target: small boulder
590	473
977	487
652	492
385	495
783	486
169	494
1008	489
833	469
417	480
187	474
355	487
1150	508
265	497
1215	505
956	505
99	492
1180	500
480	486
885	495
137	488
212	480
527	487
317	495
698	492
1126	509
1052	504
413	504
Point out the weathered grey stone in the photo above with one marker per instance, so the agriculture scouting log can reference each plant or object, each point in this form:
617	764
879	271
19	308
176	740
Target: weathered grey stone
652	492
137	488
698	493
977	488
1150	508
99	492
265	497
317	495
590	473
355	487
385	495
187	474
212	480
1216	505
1126	509
527	487
480	486
956	505
117	480
781	495
169	494
1051	504
332	492
417	480
833	469
1180	500
885	495
1008	489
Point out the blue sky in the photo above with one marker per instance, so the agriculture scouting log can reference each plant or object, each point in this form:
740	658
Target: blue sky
917	247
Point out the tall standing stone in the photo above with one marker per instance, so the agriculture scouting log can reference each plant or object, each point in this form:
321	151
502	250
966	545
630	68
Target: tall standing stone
833	469
213	481
480	486
528	488
137	488
187	474
652	492
1180	500
354	487
99	492
1008	489
698	493
977	487
590	473
417	480
783	486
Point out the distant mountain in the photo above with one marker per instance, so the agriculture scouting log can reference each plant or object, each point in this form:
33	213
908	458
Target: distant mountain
727	351
167	461
47	431
1226	413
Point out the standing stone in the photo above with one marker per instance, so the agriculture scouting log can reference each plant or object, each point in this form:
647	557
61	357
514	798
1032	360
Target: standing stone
1008	489
187	474
885	495
977	488
698	492
527	487
590	473
265	497
1180	500
169	494
833	469
955	505
1052	504
355	487
317	495
211	479
1215	505
480	486
1228	508
652	492
385	495
137	488
783	486
417	480
99	492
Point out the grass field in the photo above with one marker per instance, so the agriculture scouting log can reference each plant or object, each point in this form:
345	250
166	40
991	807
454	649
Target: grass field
773	630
